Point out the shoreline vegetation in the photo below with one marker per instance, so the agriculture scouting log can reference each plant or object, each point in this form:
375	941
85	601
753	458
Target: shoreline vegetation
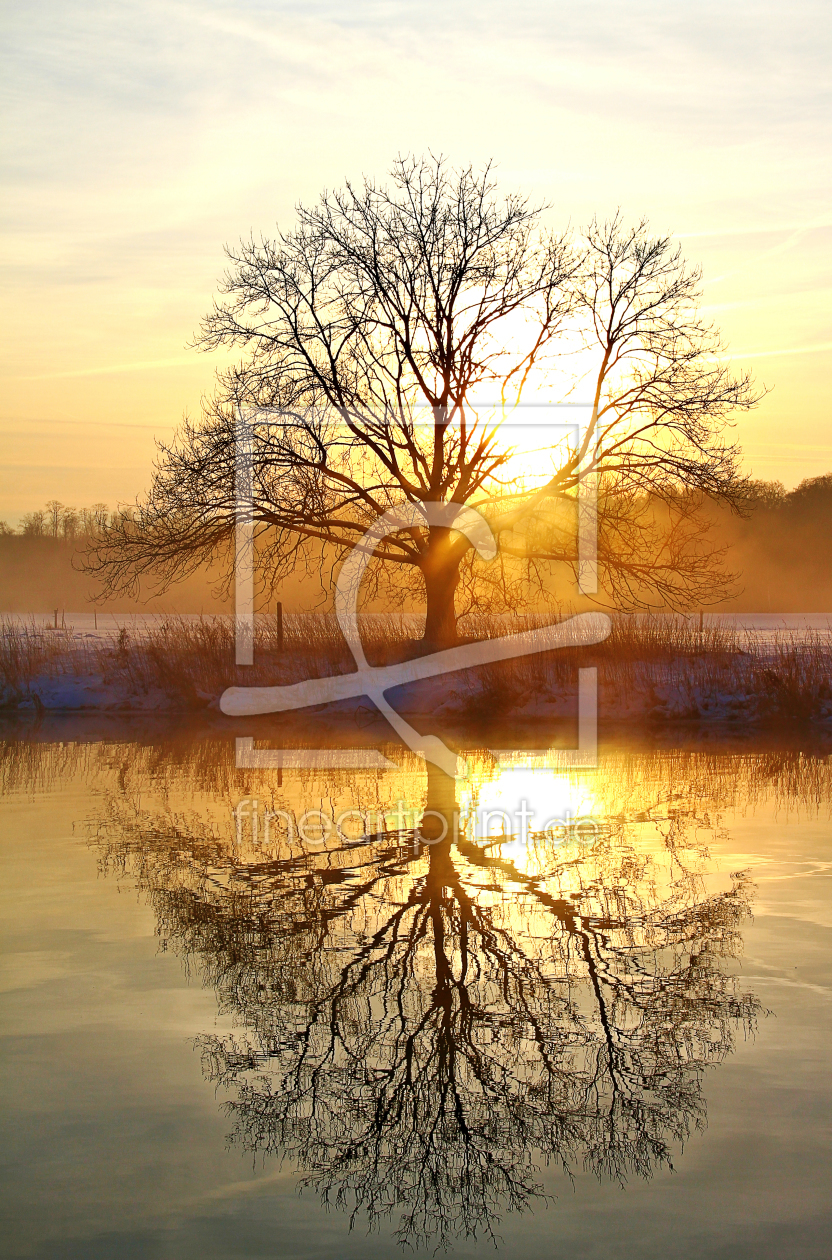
652	669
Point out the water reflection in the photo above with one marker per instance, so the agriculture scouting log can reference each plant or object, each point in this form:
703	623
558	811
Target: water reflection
423	1024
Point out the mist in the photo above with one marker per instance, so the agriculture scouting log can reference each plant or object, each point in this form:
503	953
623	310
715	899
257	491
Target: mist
778	553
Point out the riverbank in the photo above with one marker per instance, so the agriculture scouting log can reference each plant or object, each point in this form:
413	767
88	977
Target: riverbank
651	669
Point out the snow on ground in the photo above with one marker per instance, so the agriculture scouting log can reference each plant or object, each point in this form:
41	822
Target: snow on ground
69	693
759	628
659	691
439	697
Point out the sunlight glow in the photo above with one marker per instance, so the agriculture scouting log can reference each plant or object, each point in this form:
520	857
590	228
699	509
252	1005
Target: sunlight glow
527	804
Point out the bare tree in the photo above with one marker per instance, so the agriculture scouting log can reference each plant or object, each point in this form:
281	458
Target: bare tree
70	521
54	515
94	519
420	1030
33	524
383	306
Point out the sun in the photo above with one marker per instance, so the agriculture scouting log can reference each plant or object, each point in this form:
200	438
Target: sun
512	805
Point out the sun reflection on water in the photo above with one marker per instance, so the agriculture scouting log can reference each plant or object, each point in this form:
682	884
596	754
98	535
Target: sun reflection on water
546	988
527	808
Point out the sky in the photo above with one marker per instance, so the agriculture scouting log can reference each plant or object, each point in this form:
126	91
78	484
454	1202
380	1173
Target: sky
139	138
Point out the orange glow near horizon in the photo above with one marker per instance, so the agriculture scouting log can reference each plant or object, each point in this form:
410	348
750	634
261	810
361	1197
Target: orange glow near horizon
129	165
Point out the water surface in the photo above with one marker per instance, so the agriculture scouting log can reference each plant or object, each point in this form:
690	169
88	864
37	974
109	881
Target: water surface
593	1017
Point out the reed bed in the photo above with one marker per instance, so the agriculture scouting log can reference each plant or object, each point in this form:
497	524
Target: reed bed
28	651
660	666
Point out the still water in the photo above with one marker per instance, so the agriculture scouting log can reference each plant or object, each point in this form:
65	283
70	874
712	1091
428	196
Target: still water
330	1013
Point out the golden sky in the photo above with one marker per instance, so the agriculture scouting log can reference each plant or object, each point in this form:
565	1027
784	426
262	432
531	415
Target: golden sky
140	136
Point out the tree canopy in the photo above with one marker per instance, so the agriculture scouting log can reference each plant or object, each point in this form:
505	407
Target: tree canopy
383	342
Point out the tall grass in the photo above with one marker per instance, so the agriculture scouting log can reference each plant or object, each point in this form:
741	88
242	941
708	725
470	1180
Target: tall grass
28	651
664	665
195	658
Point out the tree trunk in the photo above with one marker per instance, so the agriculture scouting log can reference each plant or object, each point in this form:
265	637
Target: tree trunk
440	821
441	574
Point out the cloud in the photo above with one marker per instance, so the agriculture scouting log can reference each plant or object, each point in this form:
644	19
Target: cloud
141	136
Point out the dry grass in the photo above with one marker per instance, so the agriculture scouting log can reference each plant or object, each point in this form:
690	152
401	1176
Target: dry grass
721	673
191	659
28	651
194	658
666	663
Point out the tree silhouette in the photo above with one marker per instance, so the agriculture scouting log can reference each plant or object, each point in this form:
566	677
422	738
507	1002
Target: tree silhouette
423	1026
385	303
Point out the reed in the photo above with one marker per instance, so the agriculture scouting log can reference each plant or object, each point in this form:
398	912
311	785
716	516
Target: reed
27	652
194	658
664	665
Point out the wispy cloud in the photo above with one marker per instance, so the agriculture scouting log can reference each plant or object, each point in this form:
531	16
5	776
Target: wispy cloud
142	135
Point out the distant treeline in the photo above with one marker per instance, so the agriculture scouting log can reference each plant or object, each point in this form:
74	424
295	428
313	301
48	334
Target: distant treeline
780	549
40	568
812	497
56	520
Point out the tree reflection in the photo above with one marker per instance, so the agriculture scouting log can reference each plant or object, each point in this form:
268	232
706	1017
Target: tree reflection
423	1027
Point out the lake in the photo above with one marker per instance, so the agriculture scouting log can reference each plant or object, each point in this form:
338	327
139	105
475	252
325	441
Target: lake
336	1012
